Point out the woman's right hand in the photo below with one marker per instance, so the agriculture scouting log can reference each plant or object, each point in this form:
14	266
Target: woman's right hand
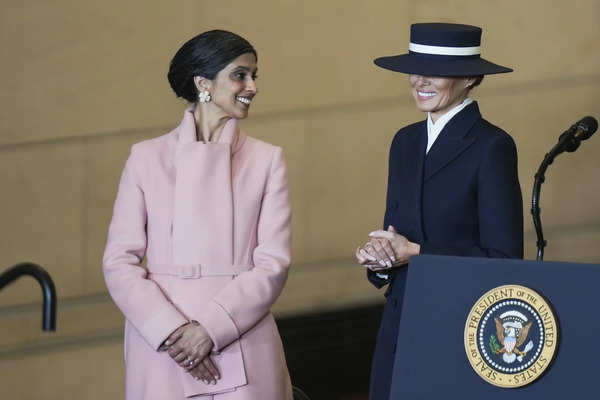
393	245
367	255
190	346
385	250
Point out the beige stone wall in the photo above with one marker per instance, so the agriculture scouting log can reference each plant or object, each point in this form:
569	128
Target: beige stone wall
82	81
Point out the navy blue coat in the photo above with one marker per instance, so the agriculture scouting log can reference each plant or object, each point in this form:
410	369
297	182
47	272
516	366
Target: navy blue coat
463	198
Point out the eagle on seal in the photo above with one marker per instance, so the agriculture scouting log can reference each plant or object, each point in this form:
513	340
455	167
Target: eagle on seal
512	334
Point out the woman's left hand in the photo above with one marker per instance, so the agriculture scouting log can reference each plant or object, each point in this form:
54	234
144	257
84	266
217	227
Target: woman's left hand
205	370
402	248
376	255
189	345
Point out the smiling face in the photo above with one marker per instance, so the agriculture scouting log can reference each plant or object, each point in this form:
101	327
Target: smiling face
233	89
437	95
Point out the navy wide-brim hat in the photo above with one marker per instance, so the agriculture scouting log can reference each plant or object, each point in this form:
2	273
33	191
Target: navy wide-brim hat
437	49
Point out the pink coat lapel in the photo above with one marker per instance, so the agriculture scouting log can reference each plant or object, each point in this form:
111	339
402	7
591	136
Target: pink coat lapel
203	195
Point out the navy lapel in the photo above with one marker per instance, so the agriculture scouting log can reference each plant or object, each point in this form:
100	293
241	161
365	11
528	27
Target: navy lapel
452	141
414	152
413	157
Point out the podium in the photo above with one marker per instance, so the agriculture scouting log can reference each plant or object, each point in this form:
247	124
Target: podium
431	359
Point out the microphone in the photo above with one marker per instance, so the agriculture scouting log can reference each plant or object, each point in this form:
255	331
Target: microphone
570	139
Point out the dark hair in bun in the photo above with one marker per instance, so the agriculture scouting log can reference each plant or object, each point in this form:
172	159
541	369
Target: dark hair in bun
204	55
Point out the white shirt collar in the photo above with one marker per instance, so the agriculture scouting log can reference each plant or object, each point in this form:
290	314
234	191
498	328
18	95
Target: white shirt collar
434	129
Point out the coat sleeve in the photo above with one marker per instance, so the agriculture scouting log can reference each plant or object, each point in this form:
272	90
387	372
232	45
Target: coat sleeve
140	299
500	206
248	298
382	279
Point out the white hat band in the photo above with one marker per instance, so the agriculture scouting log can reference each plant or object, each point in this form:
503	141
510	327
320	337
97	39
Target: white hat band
443	50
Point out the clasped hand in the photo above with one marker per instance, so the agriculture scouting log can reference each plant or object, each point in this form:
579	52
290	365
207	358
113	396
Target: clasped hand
190	346
386	249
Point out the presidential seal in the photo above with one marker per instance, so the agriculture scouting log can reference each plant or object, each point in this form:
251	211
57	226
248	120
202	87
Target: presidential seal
511	336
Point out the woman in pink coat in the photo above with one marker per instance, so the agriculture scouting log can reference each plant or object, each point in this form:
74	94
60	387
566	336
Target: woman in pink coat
209	208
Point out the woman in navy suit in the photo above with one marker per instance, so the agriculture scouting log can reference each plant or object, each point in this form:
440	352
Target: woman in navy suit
453	186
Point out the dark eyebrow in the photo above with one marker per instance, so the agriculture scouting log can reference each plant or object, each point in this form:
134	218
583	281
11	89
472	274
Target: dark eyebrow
241	67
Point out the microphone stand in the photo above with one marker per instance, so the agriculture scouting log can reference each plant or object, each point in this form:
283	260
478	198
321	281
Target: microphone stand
565	142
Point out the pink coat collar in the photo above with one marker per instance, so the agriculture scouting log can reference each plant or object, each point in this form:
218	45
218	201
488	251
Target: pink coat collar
185	133
203	195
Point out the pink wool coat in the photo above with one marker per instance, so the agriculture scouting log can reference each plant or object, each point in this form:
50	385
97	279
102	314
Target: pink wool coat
213	221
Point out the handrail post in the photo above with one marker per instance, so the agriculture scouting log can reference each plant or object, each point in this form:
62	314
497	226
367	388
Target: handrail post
46	283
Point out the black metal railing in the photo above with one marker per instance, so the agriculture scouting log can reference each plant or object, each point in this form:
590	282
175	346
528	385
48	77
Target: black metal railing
48	289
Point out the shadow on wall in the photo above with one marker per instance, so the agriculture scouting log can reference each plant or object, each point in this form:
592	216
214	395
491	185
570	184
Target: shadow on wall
329	354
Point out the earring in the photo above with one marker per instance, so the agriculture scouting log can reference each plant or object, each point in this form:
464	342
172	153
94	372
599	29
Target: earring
204	96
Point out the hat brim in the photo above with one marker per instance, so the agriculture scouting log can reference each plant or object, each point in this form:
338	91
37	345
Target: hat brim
439	65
